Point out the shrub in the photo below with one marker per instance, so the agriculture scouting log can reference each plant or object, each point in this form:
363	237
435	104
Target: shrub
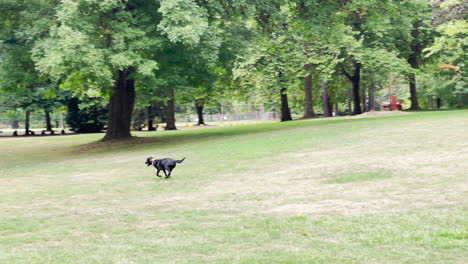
86	117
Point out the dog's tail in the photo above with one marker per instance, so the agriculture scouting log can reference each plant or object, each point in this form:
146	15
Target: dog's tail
180	161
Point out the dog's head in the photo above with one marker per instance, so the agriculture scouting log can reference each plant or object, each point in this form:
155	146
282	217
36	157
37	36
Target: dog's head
149	161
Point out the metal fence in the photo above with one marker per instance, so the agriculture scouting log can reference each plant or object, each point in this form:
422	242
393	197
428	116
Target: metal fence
245	116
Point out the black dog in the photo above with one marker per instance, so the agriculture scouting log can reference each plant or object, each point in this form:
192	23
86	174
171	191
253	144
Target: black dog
163	165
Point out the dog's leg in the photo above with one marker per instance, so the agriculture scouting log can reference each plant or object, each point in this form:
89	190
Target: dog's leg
157	173
169	174
165	173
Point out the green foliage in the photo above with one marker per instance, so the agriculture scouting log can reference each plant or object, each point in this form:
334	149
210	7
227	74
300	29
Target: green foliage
21	85
445	77
111	37
182	21
273	60
225	51
331	37
88	115
452	43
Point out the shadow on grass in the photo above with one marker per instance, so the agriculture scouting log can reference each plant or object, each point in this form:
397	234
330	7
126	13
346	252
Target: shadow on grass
163	138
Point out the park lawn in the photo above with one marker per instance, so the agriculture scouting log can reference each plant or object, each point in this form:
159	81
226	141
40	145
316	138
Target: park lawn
359	190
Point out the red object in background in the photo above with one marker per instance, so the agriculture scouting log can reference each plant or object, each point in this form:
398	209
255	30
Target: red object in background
393	105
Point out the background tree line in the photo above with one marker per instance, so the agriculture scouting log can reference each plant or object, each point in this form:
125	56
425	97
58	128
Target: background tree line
110	61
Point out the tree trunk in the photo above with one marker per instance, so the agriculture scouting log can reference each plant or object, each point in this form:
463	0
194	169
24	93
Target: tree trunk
62	122
371	106
325	99
349	100
413	92
356	101
199	103
364	99
413	60
48	123
355	80
438	103
308	101
356	24
356	89
337	110
150	119
26	123
15	124
170	112
121	107
285	112
151	124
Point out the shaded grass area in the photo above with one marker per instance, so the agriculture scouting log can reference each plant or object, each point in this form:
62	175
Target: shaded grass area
75	200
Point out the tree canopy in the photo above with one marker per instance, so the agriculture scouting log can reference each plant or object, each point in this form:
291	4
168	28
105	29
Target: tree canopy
143	55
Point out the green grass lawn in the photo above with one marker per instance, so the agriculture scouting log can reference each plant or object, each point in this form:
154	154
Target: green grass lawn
359	190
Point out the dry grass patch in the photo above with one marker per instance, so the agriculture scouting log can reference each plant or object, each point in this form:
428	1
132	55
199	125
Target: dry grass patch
398	169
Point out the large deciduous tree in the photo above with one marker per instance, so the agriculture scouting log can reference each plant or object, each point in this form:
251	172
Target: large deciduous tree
112	43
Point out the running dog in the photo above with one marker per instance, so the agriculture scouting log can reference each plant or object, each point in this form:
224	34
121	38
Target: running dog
166	165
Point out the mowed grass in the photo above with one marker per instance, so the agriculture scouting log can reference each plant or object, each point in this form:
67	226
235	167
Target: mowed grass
374	190
358	176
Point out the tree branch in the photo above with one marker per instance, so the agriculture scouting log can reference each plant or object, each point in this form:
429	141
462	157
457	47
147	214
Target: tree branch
346	73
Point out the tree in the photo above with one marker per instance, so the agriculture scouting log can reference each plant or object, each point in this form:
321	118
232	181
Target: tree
173	53
87	115
113	48
188	71
445	77
421	37
331	42
20	82
350	37
270	63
